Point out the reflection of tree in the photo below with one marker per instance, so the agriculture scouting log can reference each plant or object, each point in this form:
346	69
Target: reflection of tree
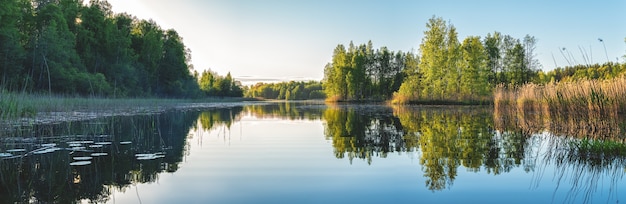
363	131
447	138
451	137
463	136
287	110
224	116
48	178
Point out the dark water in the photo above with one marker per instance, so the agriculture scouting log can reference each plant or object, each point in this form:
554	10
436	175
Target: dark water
308	153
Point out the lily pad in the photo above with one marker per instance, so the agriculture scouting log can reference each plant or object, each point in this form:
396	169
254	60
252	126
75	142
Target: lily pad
80	163
45	151
150	157
97	154
76	148
80	142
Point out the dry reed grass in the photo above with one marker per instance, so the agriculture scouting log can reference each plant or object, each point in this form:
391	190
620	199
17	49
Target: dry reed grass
585	108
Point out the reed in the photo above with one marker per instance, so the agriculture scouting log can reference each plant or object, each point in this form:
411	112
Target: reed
19	109
583	97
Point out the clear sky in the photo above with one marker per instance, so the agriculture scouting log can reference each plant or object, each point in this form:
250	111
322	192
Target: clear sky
294	39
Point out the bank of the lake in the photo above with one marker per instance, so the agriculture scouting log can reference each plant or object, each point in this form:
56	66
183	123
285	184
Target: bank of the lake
20	108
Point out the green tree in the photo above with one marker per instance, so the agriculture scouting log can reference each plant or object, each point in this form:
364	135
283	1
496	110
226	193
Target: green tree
12	52
475	73
452	68
492	44
147	43
433	58
410	87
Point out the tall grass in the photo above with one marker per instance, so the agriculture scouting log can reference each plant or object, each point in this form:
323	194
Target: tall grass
23	108
584	97
583	109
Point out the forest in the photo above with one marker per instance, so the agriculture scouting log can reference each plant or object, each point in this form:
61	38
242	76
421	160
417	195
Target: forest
446	70
67	47
293	90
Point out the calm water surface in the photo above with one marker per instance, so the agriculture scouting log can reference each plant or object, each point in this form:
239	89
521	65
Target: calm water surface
306	153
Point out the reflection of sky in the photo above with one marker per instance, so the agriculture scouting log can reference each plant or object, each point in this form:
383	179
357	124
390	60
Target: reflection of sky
281	161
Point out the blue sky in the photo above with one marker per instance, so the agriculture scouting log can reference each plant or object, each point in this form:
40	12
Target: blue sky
294	39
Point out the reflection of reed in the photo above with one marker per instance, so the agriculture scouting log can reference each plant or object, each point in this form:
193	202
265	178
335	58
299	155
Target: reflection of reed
586	108
582	132
534	120
580	169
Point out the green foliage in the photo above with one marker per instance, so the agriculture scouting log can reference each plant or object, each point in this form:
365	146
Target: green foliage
361	73
474	72
214	85
12	52
68	47
292	90
451	72
582	72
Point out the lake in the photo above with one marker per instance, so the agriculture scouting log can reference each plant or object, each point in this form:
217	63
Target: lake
317	153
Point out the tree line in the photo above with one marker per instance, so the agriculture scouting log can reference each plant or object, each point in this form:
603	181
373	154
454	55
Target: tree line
609	70
445	69
68	47
293	90
362	73
213	84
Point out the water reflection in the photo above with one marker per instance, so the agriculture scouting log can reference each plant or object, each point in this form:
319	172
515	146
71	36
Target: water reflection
447	142
49	178
447	138
364	131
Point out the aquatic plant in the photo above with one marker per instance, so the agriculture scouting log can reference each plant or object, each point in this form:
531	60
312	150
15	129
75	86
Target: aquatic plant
583	97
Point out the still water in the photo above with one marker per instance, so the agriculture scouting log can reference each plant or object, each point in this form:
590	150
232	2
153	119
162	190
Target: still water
308	153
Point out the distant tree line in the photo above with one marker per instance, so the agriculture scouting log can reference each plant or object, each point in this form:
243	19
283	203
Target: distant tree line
68	47
604	71
301	90
213	84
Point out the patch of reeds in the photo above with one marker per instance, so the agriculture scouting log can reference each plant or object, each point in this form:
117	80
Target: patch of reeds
584	97
19	110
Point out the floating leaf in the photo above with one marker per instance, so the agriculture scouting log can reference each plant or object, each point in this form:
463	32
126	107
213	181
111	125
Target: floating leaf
76	148
80	163
83	158
80	142
150	157
97	154
45	151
